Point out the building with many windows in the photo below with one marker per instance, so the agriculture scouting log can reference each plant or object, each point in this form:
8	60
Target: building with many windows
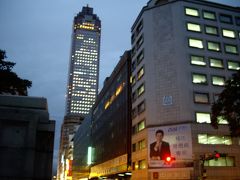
182	53
82	81
84	63
102	144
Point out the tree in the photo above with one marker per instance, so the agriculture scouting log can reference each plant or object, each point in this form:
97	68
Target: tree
228	105
10	83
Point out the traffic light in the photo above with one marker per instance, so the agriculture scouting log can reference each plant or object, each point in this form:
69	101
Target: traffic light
217	155
169	159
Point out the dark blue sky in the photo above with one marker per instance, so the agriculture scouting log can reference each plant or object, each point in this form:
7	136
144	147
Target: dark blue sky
36	34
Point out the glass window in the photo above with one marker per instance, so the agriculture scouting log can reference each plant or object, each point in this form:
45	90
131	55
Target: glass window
140	26
201	97
196	43
134	112
193	27
211	30
133	80
141	107
197	60
139	41
191	12
140	90
222	161
226	18
233	65
231	48
134	147
142	164
213	139
133	38
140	73
213	46
209	15
218	80
140	57
228	33
141	125
133	66
203	117
216	63
199	78
237	20
134	96
222	120
142	144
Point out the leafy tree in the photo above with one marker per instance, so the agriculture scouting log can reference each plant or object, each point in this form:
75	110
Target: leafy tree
228	105
10	83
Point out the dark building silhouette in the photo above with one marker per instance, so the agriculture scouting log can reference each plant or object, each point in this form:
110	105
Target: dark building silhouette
26	138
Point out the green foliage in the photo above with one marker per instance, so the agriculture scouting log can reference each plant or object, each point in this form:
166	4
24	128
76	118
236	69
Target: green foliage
10	82
228	105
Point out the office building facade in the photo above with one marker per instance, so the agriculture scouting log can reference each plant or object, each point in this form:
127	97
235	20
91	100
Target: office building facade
182	53
82	81
102	144
84	63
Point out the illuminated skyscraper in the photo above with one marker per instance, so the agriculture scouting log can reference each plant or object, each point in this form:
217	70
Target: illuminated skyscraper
84	63
82	82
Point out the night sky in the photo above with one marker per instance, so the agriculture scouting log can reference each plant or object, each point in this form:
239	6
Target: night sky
36	34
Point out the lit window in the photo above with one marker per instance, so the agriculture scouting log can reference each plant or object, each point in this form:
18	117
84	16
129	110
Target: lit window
142	164
133	80
233	65
201	98
213	46
197	60
140	90
228	33
222	161
199	78
142	144
196	43
226	18
218	80
203	117
231	48
213	139
191	12
211	30
141	125
193	27
140	73
222	120
209	15
216	63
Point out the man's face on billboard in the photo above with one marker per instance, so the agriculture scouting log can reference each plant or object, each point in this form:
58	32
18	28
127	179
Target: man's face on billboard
159	137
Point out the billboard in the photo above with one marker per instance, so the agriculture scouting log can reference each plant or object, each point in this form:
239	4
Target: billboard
164	141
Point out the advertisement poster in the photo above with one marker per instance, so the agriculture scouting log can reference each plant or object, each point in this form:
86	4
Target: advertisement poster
169	141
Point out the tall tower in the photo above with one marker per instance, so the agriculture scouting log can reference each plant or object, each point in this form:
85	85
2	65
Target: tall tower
82	82
84	63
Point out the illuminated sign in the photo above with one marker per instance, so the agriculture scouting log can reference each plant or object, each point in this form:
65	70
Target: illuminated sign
164	141
89	157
